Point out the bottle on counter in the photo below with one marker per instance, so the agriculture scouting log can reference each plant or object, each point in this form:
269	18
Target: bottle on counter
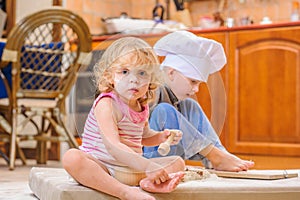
295	11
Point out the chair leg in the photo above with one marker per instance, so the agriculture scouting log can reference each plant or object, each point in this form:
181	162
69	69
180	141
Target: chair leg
21	154
8	129
4	156
62	130
42	145
41	152
59	129
13	141
72	140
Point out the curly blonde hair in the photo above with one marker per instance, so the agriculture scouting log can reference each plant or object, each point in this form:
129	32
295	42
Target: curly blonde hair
144	56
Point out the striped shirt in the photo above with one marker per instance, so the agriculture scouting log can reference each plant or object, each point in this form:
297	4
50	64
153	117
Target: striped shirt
131	131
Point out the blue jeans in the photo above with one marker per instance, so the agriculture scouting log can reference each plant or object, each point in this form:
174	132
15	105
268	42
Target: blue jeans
195	126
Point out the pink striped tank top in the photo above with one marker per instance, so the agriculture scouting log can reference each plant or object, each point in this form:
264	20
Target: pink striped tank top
131	131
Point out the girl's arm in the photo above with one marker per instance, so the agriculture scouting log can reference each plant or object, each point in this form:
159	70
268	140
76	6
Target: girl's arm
156	137
159	137
106	117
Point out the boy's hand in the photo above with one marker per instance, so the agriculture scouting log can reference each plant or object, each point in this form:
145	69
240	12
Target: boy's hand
177	137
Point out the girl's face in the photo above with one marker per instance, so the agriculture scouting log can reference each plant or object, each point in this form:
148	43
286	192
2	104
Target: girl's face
131	82
182	86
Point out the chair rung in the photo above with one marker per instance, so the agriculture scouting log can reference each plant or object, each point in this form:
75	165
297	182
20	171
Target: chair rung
44	138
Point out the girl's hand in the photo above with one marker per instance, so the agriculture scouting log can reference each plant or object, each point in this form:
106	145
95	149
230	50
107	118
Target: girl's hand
156	173
177	137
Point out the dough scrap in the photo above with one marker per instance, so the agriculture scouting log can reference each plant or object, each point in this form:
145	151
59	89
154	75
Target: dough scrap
191	174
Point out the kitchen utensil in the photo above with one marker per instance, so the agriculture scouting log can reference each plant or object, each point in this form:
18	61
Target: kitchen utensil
158	17
179	4
164	147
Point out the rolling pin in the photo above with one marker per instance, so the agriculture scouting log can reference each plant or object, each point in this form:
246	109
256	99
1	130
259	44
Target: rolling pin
164	147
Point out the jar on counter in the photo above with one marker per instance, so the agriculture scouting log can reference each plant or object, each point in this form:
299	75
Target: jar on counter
229	22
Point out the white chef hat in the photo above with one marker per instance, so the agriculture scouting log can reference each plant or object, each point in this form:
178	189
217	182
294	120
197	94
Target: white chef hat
195	57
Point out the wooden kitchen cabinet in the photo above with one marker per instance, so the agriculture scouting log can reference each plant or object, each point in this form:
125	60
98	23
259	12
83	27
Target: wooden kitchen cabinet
263	90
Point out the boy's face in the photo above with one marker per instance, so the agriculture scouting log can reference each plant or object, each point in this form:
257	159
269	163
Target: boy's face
183	87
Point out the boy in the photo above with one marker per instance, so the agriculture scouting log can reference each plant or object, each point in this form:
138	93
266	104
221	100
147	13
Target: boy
189	60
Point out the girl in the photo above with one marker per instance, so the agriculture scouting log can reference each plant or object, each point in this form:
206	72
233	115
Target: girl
110	157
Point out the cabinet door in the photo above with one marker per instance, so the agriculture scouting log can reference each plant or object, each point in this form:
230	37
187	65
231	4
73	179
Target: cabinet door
264	92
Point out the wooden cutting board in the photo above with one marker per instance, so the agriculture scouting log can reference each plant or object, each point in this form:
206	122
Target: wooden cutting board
257	174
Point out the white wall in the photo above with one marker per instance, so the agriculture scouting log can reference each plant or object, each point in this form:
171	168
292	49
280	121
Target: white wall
26	7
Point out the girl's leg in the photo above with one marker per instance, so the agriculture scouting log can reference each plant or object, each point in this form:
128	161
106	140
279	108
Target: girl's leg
174	166
171	164
89	172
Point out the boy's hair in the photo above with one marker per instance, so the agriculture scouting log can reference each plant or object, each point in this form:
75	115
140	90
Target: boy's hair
144	56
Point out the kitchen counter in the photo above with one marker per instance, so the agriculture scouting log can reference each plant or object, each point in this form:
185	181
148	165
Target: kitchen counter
197	30
247	27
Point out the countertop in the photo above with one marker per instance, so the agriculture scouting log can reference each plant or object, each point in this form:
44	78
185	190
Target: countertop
197	30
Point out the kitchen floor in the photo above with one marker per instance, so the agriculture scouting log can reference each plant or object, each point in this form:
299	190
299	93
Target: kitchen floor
14	184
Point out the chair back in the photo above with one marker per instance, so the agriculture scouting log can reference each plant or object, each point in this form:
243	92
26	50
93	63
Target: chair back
46	50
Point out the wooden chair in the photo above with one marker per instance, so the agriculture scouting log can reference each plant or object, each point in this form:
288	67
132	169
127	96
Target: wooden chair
46	50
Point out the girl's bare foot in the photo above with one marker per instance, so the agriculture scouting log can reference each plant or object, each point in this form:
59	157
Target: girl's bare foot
225	161
135	193
165	187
